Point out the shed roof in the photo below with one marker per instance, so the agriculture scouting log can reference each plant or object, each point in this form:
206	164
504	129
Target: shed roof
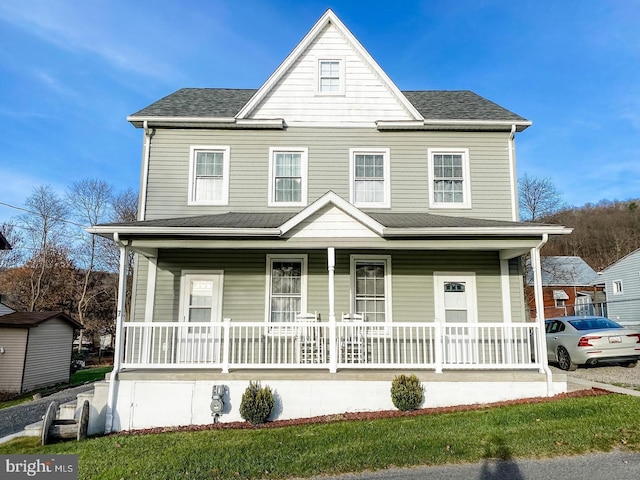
4	244
33	319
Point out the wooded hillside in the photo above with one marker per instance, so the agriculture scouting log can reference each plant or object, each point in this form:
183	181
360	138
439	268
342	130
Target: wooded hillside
602	233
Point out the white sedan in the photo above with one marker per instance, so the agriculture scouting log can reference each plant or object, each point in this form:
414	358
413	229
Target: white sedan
573	341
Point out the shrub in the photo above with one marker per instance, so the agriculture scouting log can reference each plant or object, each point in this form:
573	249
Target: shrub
406	392
257	403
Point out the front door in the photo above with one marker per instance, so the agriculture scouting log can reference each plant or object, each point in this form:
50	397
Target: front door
201	311
455	304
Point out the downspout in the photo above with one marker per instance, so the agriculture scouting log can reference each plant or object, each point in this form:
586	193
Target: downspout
512	172
144	176
537	290
119	347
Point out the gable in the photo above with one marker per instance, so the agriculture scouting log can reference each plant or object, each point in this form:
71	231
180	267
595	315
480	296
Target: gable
330	221
366	95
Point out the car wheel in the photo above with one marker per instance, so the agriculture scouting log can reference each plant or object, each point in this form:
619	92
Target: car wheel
564	360
630	364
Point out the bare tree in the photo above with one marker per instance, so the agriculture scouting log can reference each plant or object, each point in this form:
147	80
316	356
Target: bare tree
44	225
538	197
88	201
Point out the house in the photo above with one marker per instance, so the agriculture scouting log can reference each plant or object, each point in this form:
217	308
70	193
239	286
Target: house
4	244
567	288
321	235
35	349
621	281
4	309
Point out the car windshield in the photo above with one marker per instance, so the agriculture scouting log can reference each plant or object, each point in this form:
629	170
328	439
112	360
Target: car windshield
594	324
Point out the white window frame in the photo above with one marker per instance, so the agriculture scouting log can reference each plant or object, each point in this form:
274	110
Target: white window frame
186	276
617	287
193	151
304	174
388	282
386	153
466	178
341	78
303	258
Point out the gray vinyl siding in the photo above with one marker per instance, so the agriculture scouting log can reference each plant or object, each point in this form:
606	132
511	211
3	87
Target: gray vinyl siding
624	307
14	342
328	167
245	277
48	354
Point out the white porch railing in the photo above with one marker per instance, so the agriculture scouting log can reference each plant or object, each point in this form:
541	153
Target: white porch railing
253	345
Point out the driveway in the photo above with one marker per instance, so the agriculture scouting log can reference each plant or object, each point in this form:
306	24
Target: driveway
14	419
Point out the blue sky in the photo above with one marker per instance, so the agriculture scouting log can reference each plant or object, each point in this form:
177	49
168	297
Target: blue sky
72	70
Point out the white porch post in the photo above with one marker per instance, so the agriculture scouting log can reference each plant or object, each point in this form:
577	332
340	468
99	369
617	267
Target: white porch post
333	348
119	348
506	306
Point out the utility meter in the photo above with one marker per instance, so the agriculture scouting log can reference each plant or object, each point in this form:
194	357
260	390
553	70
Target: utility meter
217	402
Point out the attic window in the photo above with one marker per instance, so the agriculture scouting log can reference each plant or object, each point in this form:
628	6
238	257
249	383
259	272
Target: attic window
330	77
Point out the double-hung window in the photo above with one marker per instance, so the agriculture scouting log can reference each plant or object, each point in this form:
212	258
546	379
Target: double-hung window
371	287
330	76
449	182
369	172
209	175
617	287
288	176
287	287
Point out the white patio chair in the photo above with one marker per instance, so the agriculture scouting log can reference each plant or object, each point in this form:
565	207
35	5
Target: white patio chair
310	339
353	338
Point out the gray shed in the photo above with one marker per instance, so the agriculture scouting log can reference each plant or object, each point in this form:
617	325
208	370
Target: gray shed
35	349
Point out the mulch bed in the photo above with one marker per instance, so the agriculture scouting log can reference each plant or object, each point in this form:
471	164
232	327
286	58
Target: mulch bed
351	416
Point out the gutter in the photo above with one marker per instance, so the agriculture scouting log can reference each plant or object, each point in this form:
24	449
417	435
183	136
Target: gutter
542	339
512	174
205	122
436	124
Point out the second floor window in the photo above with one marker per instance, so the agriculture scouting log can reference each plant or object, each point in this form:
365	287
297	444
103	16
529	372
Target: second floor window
370	184
449	178
209	175
288	184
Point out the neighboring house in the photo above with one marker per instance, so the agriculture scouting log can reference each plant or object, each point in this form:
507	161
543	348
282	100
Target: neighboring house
5	309
323	234
567	288
4	244
35	349
621	281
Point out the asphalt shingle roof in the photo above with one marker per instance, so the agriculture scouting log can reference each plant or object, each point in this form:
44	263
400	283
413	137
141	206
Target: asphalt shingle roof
32	319
227	102
563	271
275	220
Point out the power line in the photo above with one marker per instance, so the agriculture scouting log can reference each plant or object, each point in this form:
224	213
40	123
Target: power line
36	213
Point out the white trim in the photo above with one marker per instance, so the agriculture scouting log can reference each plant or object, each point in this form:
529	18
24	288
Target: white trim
506	291
185	276
339	202
386	154
226	157
152	272
466	178
388	282
304	174
617	290
303	283
438	124
513	179
327	17
439	279
342	79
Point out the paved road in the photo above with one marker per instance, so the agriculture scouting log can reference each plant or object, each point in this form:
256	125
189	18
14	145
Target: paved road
14	419
613	466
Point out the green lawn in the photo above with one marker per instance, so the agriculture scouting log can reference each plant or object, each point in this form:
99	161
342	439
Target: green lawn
78	378
563	427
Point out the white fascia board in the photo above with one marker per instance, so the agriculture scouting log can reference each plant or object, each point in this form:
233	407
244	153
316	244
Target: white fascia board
334	199
326	18
477	231
453	124
222	122
186	231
